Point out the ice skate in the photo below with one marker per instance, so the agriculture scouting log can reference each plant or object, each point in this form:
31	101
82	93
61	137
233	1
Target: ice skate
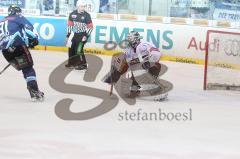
81	67
36	95
69	66
134	91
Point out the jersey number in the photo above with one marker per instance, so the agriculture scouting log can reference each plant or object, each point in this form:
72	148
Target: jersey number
3	29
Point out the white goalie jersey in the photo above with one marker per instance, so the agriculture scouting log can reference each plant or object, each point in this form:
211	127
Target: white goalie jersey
136	60
145	51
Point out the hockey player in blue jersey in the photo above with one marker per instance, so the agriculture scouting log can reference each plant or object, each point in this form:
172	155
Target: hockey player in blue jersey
16	36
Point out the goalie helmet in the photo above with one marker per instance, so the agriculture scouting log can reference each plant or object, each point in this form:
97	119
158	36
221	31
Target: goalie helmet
133	38
14	10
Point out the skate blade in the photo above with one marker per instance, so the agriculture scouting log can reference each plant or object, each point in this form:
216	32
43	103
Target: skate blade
157	98
133	94
37	99
80	70
70	68
161	98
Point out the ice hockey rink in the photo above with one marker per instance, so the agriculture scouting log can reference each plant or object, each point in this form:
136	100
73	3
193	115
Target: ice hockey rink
33	131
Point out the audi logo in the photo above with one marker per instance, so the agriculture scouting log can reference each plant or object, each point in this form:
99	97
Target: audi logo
232	47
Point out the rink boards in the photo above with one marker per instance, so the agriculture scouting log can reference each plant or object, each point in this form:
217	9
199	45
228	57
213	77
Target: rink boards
178	42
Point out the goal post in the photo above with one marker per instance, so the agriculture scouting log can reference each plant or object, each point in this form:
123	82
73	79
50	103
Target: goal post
222	61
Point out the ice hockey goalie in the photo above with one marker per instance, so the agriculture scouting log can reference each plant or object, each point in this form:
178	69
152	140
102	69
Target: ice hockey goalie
142	59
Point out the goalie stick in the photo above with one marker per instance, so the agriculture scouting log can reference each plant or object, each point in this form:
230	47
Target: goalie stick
111	88
4	69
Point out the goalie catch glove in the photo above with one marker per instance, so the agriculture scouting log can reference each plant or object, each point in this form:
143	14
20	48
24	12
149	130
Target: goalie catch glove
155	70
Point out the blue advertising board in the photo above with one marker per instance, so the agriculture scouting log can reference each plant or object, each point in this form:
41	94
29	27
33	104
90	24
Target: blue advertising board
52	31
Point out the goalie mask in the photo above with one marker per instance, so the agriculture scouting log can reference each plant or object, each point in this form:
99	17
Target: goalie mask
14	10
133	39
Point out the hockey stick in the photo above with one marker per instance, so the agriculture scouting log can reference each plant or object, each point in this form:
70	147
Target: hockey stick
5	68
111	88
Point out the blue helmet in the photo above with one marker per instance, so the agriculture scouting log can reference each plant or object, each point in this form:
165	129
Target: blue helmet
14	10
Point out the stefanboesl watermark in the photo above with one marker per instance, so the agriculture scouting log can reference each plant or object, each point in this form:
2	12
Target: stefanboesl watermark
95	64
158	115
62	108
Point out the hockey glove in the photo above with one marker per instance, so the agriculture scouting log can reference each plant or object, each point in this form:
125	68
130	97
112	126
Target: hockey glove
146	65
11	49
33	42
155	70
84	39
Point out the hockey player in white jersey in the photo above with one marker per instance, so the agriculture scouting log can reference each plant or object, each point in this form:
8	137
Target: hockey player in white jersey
143	53
139	56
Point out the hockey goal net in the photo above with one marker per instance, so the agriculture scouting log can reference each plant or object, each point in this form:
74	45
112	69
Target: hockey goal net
222	61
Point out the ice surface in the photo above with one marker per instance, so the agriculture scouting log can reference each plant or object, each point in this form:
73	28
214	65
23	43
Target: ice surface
33	131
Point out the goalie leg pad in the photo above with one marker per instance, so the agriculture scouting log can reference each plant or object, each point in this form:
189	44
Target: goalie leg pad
112	77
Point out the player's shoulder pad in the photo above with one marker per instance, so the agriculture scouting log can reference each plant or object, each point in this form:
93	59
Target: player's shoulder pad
143	46
10	17
146	46
146	43
20	17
